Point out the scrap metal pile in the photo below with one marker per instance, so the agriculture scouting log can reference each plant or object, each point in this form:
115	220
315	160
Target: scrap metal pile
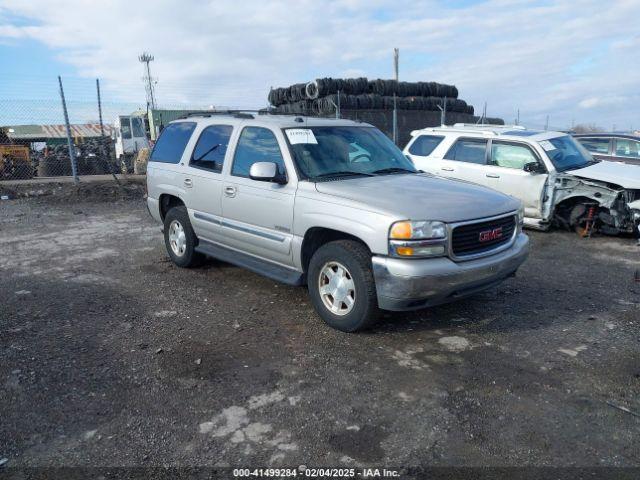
322	96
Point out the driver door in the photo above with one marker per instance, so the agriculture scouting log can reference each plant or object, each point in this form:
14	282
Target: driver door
257	215
505	172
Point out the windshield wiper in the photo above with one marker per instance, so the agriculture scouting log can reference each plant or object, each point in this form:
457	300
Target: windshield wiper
344	173
575	167
394	170
207	152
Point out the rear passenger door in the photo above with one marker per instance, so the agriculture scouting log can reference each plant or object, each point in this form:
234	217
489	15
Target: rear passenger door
466	160
258	216
420	150
204	180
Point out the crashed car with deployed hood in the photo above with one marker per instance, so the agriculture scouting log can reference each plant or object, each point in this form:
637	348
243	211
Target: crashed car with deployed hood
557	179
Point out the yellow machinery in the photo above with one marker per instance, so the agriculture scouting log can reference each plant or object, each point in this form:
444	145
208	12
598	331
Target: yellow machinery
15	161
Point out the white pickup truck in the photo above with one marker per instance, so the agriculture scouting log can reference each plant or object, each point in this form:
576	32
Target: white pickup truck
555	177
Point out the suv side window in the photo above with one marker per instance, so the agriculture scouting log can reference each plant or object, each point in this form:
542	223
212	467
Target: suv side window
170	145
424	145
510	155
470	150
256	144
211	148
596	145
627	148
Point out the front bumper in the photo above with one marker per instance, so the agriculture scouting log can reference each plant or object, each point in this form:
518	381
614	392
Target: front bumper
410	284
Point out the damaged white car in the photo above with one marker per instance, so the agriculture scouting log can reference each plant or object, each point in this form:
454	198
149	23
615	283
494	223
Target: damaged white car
559	182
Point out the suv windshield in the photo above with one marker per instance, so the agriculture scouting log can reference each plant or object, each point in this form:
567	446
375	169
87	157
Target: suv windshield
349	152
567	154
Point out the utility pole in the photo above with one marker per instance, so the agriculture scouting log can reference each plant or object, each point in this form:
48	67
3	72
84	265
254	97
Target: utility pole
148	79
546	124
396	55
518	118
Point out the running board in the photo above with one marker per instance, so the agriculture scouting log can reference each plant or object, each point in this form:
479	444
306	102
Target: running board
257	265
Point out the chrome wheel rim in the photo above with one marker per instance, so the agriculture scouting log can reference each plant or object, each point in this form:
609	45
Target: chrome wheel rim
337	290
177	238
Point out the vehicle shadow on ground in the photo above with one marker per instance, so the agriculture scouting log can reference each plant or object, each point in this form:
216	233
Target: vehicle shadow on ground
504	310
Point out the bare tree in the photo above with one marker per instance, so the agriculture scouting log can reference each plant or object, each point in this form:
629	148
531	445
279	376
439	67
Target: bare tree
587	128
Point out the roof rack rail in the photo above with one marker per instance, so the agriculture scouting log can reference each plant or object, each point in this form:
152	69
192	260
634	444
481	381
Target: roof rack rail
240	113
489	125
235	113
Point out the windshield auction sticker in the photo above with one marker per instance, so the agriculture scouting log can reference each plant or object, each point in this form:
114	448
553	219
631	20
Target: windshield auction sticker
547	145
300	135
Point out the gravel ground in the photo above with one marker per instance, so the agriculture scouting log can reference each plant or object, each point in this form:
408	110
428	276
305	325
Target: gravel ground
112	356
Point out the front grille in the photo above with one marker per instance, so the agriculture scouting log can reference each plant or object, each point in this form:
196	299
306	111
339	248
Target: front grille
482	237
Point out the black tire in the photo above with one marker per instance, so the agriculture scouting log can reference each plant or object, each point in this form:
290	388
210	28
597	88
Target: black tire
188	257
356	259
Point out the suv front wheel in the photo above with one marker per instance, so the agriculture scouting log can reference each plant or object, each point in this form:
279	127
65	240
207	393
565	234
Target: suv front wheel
342	287
180	239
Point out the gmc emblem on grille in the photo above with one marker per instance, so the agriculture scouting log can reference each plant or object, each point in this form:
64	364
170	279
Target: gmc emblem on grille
489	235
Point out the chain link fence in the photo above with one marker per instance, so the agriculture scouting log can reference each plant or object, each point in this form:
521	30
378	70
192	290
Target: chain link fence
44	135
69	128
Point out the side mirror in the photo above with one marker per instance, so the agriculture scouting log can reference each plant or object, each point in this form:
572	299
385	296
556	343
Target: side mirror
533	167
266	172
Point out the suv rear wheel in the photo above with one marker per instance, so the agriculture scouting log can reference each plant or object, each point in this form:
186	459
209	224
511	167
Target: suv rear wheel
342	287
179	238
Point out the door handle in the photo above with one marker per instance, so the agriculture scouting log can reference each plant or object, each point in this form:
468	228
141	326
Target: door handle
230	191
492	175
447	169
188	183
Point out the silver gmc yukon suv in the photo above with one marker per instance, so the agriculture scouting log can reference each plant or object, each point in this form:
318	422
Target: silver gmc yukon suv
332	204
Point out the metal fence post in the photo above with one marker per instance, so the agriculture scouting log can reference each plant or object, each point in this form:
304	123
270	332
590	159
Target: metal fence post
72	150
108	146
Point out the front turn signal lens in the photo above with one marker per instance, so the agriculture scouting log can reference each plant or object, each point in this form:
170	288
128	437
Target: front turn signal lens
404	251
401	231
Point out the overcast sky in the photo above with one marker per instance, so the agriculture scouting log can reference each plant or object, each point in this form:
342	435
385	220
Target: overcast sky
575	60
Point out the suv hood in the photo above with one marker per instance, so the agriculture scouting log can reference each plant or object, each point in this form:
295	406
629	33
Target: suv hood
422	197
623	174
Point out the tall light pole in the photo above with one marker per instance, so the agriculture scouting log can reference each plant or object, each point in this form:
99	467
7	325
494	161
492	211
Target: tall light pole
151	99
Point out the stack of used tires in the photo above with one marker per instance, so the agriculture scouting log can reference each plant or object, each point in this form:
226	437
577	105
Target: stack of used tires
93	157
54	163
322	96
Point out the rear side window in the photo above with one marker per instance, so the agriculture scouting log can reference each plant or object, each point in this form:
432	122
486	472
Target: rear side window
170	145
256	144
211	148
596	145
424	145
470	150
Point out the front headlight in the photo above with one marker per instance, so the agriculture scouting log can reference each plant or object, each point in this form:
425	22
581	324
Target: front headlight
418	239
521	216
423	230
